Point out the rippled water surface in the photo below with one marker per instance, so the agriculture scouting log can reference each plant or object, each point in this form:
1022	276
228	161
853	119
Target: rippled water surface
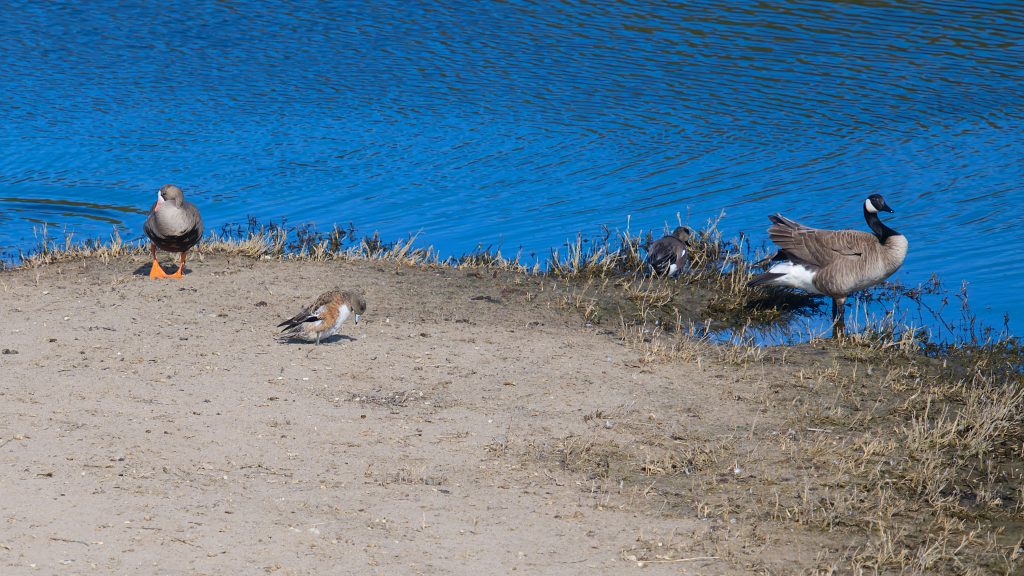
520	124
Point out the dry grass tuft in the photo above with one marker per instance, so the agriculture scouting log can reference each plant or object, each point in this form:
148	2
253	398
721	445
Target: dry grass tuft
51	250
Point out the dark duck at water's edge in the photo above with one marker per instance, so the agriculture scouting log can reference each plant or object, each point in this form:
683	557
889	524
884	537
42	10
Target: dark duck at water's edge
667	255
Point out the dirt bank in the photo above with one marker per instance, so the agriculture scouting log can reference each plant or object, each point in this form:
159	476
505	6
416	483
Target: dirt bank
472	423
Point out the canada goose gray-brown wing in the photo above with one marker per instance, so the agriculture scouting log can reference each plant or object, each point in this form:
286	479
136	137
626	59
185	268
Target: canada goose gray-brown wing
814	246
834	262
173	225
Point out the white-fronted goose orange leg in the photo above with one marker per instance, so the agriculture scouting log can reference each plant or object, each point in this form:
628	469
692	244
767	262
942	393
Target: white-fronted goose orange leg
156	271
181	267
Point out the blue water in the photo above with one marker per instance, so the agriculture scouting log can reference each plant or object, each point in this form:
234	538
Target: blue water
518	124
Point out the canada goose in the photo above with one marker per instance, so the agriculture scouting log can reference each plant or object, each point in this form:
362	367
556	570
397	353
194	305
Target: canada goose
835	263
324	317
173	225
667	255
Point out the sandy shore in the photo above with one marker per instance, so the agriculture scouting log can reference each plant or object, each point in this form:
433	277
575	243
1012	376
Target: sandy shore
468	425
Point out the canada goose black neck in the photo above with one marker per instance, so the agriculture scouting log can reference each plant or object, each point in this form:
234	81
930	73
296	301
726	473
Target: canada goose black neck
882	231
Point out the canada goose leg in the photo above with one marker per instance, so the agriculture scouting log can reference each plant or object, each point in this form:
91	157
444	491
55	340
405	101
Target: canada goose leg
155	271
838	317
181	266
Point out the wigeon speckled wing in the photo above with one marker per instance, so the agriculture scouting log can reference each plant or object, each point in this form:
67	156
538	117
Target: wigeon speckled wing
324	317
173	225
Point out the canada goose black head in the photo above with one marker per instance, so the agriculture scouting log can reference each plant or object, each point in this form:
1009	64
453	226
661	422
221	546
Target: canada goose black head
875	204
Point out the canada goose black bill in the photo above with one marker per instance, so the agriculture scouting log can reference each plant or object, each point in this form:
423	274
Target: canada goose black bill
173	225
834	263
667	255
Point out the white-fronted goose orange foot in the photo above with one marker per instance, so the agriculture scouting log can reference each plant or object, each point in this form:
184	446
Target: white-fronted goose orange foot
324	317
173	225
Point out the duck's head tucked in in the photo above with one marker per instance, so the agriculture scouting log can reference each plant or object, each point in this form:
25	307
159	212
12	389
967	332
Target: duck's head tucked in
324	317
682	233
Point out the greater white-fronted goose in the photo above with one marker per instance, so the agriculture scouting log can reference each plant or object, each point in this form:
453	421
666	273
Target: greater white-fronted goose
173	225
